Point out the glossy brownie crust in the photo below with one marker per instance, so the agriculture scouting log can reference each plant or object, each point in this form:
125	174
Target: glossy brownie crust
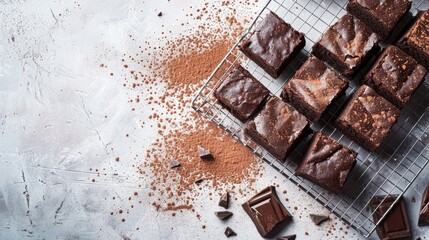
346	45
379	15
273	44
415	41
277	128
241	93
367	118
327	163
313	88
395	76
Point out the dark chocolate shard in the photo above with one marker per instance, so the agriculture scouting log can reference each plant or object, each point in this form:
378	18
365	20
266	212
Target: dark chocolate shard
199	180
267	212
223	215
174	164
395	224
224	200
229	232
204	154
424	209
290	237
318	219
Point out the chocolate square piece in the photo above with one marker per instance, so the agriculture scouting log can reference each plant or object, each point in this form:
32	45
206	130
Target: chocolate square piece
396	224
327	163
395	76
313	88
380	15
424	210
241	93
277	127
346	45
367	118
416	40
266	211
273	44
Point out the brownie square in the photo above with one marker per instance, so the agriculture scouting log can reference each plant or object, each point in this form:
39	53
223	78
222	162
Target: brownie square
273	44
313	88
327	163
266	211
395	225
395	76
416	40
241	93
346	45
367	118
379	15
277	127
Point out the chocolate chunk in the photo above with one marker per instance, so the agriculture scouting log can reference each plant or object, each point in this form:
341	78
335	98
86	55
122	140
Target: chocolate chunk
396	224
266	211
278	128
379	15
290	237
273	44
346	45
367	118
241	93
229	232
424	212
204	154
223	215
313	88
174	164
416	40
327	163
160	14
395	76
224	200
318	219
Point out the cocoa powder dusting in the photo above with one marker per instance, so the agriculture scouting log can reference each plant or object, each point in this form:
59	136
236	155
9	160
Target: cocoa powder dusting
166	77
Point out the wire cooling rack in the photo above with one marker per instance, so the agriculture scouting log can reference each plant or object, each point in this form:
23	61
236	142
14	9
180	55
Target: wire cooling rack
389	170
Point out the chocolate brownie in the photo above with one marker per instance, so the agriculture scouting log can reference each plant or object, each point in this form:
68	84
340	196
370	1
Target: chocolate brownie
416	40
277	127
395	76
327	163
346	45
367	118
313	88
396	224
273	44
379	15
241	93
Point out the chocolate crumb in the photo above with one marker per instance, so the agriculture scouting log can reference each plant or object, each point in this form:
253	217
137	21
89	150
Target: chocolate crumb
204	154
160	14
318	219
290	237
199	180
229	232
224	200
413	199
223	215
174	164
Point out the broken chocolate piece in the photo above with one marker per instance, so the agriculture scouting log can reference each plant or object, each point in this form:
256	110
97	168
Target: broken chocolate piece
395	224
174	164
223	215
229	232
199	180
266	211
204	154
160	14
224	200
318	219
424	210
290	237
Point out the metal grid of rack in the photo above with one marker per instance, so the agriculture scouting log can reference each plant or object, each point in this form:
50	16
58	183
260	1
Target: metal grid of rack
389	170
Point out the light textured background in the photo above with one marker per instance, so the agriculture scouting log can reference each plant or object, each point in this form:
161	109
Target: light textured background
53	102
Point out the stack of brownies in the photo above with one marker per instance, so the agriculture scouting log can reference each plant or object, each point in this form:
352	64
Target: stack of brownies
278	124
